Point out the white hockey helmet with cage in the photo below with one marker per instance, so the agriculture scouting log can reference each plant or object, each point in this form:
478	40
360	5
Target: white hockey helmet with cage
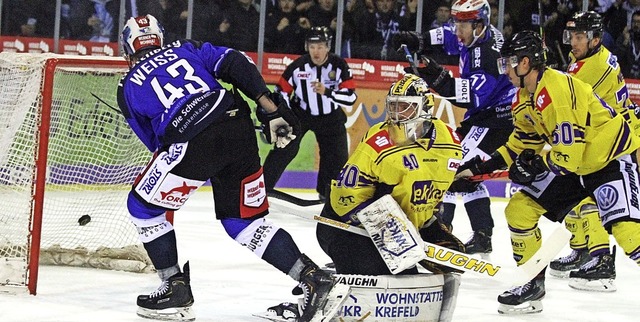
409	108
471	10
140	33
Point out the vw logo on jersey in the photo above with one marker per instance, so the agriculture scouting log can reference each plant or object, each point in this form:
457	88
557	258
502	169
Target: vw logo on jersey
607	196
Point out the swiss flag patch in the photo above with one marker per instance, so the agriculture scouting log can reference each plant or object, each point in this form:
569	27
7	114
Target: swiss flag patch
543	100
380	141
575	67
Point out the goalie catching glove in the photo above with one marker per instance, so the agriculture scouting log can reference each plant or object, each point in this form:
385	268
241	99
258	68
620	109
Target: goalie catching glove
281	126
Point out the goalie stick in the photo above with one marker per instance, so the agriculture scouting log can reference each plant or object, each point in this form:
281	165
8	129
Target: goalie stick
444	256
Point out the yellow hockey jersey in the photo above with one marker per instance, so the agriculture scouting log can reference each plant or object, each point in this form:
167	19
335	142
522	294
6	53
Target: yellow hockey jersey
602	71
584	133
416	175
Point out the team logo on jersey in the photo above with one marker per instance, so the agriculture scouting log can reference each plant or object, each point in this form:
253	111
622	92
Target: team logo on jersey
453	164
612	61
423	191
476	57
543	100
178	194
607	197
380	141
575	67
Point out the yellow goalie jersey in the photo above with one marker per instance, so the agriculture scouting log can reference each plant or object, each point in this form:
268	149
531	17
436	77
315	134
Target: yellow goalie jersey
416	175
602	71
584	133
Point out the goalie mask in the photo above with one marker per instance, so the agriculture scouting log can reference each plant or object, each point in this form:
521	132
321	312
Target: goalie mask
409	108
139	33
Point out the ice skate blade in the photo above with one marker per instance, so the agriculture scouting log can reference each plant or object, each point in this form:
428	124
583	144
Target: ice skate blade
559	274
601	285
270	317
333	304
524	308
170	314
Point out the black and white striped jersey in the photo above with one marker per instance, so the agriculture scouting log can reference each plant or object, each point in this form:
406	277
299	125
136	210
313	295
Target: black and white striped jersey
334	74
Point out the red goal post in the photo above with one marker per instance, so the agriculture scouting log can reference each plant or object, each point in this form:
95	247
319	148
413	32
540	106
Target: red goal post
65	155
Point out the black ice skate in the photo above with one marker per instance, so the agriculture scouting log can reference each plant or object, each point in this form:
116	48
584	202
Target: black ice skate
171	301
523	299
480	242
562	266
315	285
283	312
598	274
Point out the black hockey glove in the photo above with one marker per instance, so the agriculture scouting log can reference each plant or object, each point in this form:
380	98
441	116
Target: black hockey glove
432	72
438	233
279	127
413	40
462	184
526	167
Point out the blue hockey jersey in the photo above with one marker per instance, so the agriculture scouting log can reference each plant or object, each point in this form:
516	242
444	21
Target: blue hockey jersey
156	94
488	102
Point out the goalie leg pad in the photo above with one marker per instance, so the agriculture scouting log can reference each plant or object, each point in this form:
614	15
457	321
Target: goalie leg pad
449	296
417	297
395	237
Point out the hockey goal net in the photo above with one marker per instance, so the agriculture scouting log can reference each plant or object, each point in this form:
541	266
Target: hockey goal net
67	162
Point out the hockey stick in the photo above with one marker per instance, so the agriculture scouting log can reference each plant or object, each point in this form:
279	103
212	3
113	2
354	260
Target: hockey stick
488	176
105	103
277	194
409	58
461	261
448	257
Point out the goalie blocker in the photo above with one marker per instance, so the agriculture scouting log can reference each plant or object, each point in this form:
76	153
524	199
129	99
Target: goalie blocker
422	297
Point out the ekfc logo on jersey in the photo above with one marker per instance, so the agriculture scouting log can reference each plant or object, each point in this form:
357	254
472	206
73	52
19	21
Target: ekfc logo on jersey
423	191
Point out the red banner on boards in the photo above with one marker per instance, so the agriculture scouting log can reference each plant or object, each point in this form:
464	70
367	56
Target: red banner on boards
374	74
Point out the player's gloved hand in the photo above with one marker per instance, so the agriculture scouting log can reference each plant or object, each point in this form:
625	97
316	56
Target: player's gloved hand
526	167
413	40
465	170
279	127
432	72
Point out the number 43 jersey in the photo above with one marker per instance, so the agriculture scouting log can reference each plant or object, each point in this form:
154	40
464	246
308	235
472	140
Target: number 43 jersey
416	175
152	95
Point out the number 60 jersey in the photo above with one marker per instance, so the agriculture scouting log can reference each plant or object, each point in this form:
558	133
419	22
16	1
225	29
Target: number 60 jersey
416	175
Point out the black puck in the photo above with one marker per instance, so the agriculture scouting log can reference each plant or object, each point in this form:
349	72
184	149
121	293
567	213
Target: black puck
84	219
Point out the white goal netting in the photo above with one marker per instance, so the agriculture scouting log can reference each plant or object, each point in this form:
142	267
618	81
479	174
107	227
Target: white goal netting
92	158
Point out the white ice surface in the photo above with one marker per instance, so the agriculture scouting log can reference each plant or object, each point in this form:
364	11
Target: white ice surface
229	282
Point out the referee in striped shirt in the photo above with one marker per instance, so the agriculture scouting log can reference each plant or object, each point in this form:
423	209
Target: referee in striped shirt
317	85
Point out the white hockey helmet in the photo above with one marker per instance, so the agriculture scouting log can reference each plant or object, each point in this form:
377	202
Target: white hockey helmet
471	10
140	33
409	108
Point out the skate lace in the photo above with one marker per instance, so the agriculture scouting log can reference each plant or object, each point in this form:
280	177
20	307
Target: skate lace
162	289
520	289
569	258
590	264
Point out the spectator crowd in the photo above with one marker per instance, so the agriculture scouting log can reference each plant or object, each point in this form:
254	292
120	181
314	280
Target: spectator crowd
368	25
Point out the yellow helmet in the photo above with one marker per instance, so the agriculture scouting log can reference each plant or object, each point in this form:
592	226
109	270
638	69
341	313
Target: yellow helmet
409	108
